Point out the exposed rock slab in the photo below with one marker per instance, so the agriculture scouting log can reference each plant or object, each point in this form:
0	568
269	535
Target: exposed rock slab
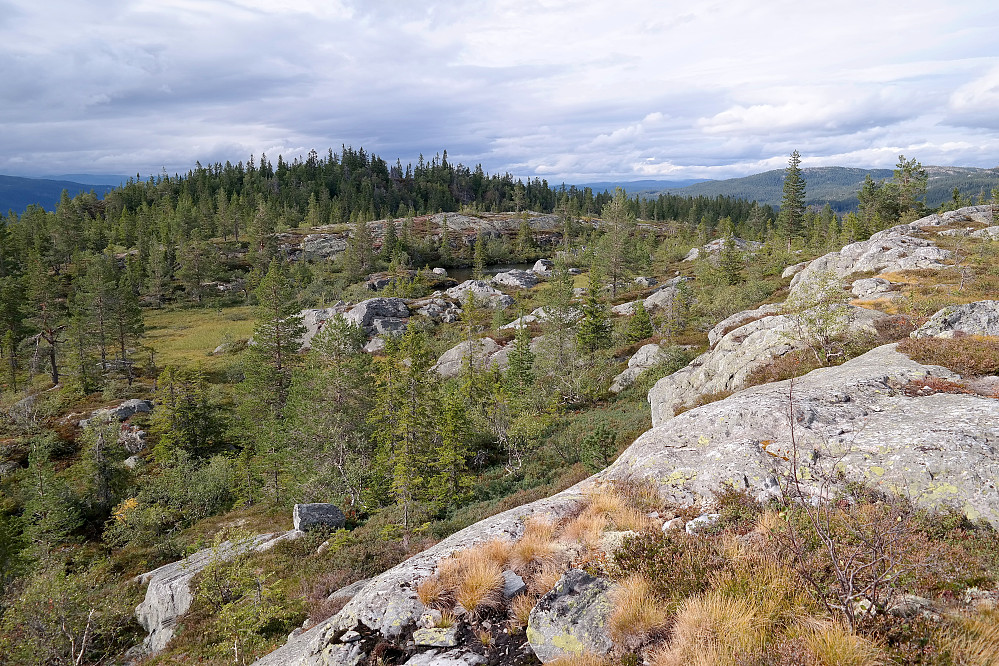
979	318
169	594
484	293
365	313
871	288
454	360
938	449
989	233
122	412
737	354
733	322
314	319
572	618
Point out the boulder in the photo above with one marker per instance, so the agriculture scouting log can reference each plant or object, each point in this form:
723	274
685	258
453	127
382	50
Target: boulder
980	318
440	310
646	282
317	515
520	322
715	246
454	360
989	233
484	293
572	618
738	353
383	326
169	594
661	299
543	267
871	288
439	271
314	319
646	357
366	312
376	344
122	412
516	278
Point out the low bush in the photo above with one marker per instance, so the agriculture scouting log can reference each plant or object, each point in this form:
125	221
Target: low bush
676	564
967	355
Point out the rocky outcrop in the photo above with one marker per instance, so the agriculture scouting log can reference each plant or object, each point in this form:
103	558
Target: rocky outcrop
314	319
895	249
322	246
872	288
169	594
738	353
733	322
516	278
543	267
716	246
483	292
572	618
980	318
454	360
975	215
646	357
317	515
379	315
439	309
938	448
122	412
988	233
661	299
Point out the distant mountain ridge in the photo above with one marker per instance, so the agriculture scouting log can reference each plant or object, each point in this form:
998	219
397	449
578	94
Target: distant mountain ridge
837	186
17	193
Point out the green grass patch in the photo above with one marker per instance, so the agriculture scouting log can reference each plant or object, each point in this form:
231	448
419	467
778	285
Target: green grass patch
184	336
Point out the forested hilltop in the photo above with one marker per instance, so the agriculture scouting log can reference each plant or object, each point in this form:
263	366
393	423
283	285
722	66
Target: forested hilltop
189	357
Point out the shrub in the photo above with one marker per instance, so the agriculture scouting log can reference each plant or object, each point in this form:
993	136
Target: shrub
676	564
965	354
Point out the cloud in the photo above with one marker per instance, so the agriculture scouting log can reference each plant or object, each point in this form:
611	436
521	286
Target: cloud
561	89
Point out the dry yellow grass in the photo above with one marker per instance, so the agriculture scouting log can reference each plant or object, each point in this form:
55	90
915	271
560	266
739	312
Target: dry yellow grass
497	550
586	528
712	629
451	570
636	612
976	639
520	609
541	527
481	585
431	592
533	549
833	645
544	580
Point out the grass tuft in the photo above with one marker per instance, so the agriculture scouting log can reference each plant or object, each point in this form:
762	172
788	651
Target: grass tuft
833	645
637	613
481	586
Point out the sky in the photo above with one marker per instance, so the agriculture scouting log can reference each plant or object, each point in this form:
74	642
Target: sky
564	90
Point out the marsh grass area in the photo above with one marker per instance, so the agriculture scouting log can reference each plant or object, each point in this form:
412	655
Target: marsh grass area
185	335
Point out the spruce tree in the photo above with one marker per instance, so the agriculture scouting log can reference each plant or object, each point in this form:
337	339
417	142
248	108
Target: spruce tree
640	324
792	206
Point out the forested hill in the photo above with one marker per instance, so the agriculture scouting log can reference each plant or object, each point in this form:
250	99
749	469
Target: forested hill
18	193
837	186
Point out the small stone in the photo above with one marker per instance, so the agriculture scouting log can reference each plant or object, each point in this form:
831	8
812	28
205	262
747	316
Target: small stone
436	636
350	637
702	522
512	585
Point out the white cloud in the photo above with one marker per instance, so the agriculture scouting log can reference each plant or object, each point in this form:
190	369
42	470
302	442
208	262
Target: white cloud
565	89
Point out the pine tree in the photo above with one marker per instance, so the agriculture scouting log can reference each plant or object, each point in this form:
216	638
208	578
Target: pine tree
792	206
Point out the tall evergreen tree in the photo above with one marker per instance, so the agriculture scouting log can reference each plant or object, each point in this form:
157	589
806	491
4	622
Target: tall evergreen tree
791	218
